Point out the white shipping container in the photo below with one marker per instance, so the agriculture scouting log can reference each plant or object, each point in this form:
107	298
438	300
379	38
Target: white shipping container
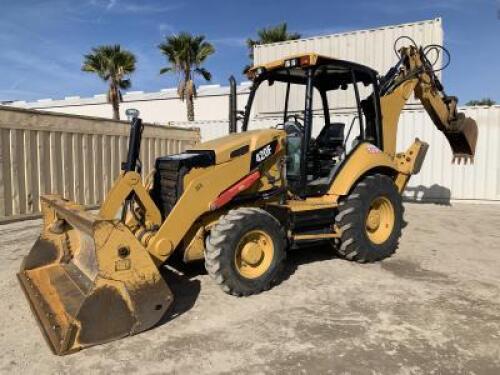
439	179
371	47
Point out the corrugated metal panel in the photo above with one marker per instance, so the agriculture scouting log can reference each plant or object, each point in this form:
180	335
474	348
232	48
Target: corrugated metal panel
75	156
373	47
438	179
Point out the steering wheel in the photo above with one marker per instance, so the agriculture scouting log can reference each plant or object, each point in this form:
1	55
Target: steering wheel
296	119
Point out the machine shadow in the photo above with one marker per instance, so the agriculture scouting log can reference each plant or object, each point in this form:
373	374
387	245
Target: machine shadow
308	253
181	278
436	194
315	251
184	288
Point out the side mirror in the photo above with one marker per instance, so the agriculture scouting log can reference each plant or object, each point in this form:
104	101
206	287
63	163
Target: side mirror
233	106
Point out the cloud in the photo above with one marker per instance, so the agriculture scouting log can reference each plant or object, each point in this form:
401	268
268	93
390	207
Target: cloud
40	65
230	41
106	4
150	8
111	4
165	28
33	75
124	6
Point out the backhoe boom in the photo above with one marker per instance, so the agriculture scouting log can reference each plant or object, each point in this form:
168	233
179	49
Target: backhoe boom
414	74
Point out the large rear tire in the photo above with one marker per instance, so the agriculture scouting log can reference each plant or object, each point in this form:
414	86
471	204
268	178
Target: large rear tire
370	219
245	251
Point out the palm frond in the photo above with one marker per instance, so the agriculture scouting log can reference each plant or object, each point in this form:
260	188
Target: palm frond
111	63
207	76
167	69
186	54
124	84
271	34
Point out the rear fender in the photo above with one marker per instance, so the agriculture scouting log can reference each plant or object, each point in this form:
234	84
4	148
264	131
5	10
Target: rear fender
368	159
365	158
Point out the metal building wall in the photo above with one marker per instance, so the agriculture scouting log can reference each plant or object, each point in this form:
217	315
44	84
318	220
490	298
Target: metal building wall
158	107
373	47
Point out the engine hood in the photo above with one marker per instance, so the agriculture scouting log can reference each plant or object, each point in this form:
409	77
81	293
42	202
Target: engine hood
237	144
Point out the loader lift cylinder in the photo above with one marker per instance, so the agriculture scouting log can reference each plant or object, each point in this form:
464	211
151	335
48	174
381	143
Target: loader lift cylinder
233	106
134	146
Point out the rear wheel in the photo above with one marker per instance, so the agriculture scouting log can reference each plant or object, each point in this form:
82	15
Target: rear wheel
245	251
370	219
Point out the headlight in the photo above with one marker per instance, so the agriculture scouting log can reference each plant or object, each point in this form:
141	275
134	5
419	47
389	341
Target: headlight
291	63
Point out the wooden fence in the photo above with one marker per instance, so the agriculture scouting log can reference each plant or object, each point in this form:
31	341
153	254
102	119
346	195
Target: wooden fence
76	156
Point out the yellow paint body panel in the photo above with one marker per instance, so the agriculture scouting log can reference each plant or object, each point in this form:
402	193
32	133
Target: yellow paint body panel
225	145
203	185
363	159
123	186
391	106
280	63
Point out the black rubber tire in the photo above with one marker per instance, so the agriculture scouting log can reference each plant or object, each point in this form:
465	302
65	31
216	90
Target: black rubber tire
222	243
351	219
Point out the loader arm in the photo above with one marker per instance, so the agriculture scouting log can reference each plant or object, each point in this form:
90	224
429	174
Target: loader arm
414	74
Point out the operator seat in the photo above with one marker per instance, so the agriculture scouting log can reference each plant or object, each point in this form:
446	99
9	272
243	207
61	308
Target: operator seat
330	139
328	146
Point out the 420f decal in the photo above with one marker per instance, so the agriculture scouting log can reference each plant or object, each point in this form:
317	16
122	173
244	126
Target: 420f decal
263	153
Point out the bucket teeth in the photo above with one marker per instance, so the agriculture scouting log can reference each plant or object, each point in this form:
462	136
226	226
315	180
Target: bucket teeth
82	288
462	159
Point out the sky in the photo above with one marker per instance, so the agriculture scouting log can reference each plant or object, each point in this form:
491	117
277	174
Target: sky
43	41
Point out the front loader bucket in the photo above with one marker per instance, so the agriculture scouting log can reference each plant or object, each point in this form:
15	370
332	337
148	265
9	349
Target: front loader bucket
462	138
90	281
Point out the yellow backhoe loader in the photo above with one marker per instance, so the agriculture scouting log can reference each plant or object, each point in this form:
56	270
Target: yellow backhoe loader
241	201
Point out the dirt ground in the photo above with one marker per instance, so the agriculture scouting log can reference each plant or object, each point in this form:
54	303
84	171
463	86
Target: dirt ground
433	307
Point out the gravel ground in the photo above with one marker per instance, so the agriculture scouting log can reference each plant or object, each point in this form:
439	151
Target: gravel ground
433	307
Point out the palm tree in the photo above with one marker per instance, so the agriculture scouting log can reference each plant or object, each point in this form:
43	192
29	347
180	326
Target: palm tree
113	64
485	101
267	35
186	54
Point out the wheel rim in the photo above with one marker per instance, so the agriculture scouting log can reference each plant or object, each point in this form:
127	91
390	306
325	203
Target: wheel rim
380	220
254	254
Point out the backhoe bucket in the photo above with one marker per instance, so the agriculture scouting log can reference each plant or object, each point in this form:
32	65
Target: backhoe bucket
89	280
462	138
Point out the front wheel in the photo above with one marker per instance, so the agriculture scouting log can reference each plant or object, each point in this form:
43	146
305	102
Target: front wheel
370	219
245	251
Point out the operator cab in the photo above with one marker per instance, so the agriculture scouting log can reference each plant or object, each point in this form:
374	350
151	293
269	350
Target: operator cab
306	89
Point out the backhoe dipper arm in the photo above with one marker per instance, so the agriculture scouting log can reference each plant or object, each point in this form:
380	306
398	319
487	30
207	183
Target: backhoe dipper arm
414	74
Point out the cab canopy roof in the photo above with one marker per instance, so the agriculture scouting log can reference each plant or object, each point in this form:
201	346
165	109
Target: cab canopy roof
329	73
